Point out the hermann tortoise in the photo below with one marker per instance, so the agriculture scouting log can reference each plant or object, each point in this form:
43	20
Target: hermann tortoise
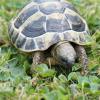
51	28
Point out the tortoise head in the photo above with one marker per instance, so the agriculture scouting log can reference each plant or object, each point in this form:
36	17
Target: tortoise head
64	53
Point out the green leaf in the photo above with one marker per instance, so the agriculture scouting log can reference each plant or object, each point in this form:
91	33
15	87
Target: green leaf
44	90
63	78
73	76
94	79
74	89
43	71
41	68
26	65
49	73
95	88
6	87
55	95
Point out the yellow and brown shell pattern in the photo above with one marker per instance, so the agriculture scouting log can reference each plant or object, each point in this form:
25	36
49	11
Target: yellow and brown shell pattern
42	23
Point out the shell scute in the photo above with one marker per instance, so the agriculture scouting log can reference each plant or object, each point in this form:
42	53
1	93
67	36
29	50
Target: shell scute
68	5
25	15
35	28
20	41
49	8
76	22
30	44
57	23
14	36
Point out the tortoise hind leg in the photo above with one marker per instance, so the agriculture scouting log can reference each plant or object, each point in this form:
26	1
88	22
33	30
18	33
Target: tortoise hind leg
81	53
38	58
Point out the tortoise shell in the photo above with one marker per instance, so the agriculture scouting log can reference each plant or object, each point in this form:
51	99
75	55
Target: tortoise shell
42	23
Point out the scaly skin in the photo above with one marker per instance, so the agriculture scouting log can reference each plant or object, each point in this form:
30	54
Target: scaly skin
81	53
38	58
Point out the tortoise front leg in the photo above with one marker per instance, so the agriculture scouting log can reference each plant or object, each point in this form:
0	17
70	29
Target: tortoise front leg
38	58
81	53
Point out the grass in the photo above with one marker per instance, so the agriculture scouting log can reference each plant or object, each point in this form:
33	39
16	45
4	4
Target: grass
48	83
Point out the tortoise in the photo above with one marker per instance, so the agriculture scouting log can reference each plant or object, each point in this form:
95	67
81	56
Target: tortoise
51	28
